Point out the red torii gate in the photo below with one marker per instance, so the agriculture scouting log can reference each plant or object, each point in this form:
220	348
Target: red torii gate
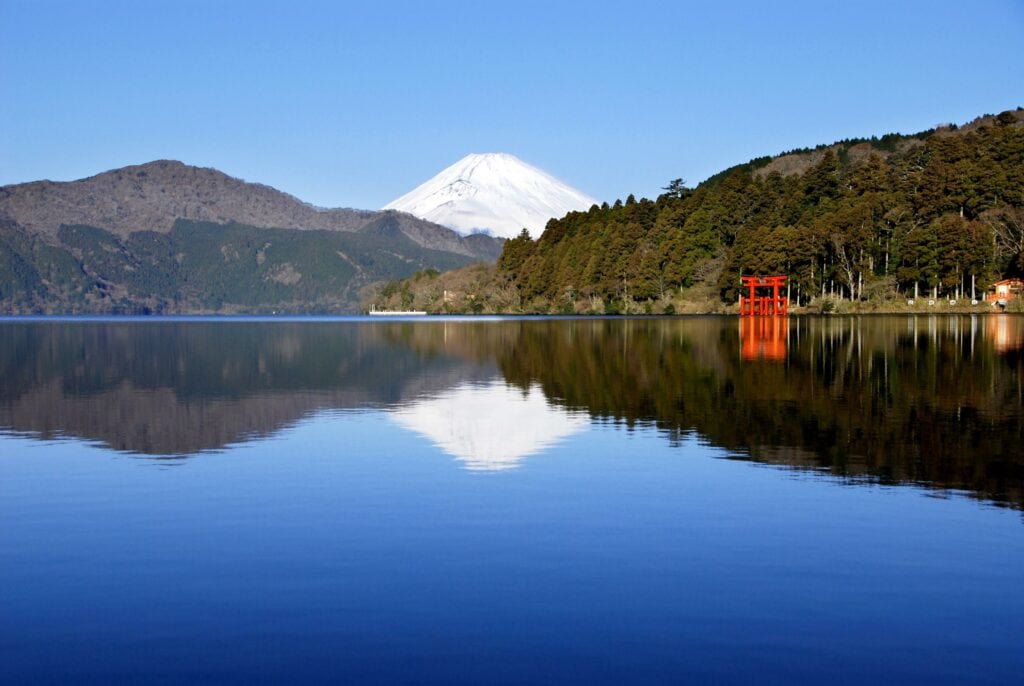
769	305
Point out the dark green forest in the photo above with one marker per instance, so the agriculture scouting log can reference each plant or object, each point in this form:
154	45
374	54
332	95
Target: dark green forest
930	213
202	267
937	214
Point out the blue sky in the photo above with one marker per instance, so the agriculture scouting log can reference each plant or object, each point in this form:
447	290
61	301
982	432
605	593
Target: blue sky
353	104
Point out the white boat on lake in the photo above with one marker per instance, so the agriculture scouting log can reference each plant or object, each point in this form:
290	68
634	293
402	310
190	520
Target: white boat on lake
396	313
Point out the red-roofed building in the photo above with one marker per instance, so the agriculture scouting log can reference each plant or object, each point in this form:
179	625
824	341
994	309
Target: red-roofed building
1007	289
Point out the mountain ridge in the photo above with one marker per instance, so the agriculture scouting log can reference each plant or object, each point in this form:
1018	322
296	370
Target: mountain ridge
153	195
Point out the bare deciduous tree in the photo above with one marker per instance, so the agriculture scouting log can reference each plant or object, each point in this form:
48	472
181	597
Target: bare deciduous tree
1007	224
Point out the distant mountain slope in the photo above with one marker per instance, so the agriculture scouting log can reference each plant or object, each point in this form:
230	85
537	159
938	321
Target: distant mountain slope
494	192
858	150
152	196
201	267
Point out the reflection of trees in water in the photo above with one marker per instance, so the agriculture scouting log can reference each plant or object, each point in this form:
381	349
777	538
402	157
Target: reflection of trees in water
934	400
897	399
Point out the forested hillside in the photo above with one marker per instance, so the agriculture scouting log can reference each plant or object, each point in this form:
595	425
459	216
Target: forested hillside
933	213
201	267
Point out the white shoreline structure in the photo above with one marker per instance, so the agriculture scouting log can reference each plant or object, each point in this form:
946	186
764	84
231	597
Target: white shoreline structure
396	313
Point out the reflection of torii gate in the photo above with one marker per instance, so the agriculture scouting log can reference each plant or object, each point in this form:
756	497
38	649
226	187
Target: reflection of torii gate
755	304
764	338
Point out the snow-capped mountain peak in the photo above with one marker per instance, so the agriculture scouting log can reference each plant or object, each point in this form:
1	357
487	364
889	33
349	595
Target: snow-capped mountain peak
493	192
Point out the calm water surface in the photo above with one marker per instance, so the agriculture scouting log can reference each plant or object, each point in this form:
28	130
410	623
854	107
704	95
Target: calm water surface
556	501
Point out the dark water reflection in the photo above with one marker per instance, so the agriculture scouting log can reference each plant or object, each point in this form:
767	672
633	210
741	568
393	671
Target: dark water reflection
935	401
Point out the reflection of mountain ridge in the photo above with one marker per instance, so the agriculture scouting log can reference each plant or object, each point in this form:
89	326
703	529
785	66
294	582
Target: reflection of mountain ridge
176	389
156	422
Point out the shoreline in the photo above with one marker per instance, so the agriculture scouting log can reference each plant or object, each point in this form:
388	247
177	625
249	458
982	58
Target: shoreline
435	316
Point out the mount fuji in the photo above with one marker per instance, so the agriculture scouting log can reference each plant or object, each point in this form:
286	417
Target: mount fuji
494	193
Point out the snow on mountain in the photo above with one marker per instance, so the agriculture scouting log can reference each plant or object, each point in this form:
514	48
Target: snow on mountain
494	192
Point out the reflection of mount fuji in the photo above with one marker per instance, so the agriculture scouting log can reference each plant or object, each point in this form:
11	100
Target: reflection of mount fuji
490	426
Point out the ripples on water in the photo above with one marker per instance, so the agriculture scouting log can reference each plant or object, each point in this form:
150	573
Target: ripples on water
516	499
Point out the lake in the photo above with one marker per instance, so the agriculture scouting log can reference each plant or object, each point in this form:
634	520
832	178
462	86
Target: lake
512	500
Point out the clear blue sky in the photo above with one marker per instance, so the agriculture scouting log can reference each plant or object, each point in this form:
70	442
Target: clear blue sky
353	104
